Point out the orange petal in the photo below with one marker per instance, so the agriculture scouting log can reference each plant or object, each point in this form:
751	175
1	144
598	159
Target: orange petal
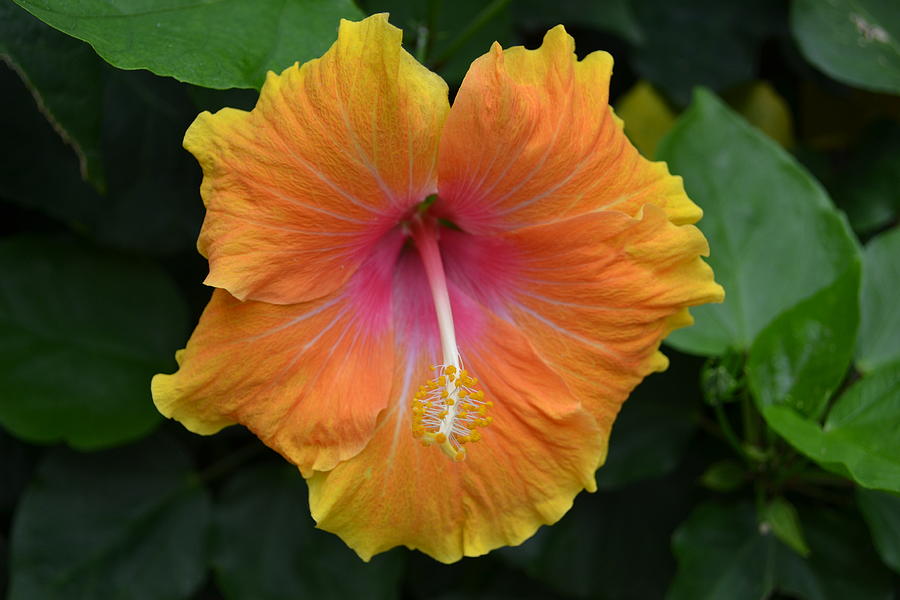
599	292
531	139
336	150
540	451
308	379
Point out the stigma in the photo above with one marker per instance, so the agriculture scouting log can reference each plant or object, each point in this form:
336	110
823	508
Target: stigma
448	409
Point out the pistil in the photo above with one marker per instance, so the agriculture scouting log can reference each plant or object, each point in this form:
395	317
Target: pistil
448	409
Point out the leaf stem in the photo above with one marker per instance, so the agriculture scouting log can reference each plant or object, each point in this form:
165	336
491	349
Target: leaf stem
481	19
749	418
229	462
728	431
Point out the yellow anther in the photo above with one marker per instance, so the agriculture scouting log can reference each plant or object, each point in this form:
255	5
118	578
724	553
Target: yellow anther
446	407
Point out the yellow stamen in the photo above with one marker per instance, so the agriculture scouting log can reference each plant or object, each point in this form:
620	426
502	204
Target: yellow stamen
443	418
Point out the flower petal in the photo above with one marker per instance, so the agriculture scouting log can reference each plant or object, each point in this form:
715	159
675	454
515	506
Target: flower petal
336	150
540	451
530	139
598	293
308	379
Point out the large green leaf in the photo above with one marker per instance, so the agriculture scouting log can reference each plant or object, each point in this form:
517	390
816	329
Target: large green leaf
700	42
653	429
723	551
154	205
152	202
32	150
882	513
224	44
15	469
64	76
866	186
833	571
854	41
774	235
81	333
130	523
611	544
879	334
800	359
613	16
861	435
266	547
433	30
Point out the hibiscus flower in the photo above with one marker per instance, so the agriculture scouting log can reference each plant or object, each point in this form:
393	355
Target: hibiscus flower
435	313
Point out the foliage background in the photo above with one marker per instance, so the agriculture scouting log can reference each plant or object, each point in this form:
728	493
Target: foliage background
765	461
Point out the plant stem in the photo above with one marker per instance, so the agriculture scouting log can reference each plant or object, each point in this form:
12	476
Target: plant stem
749	418
229	462
728	432
480	20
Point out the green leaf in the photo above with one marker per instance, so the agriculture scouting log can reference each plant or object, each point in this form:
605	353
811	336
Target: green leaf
438	26
611	544
15	470
724	552
854	41
861	435
613	16
882	513
866	187
879	334
653	429
782	517
130	523
63	75
152	203
724	476
32	149
729	34
775	238
842	563
225	44
266	547
800	359
81	333
154	184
